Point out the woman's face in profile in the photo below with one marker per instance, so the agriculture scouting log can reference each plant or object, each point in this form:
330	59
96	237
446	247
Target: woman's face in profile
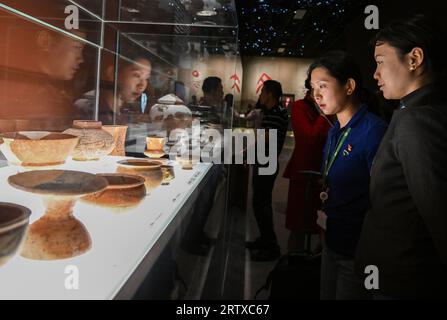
392	73
330	96
134	80
65	56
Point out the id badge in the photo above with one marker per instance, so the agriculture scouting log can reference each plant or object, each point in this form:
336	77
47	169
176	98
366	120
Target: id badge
321	219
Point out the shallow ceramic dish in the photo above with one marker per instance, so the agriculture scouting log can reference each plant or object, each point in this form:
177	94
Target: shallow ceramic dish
37	148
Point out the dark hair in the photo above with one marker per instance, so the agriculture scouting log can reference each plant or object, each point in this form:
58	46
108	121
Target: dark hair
307	83
274	87
418	31
229	99
210	84
342	66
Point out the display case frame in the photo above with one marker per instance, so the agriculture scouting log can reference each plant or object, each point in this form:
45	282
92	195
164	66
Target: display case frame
117	36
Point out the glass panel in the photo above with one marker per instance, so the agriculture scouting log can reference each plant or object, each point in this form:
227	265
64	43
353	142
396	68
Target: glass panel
42	73
53	14
153	66
192	69
200	12
92	6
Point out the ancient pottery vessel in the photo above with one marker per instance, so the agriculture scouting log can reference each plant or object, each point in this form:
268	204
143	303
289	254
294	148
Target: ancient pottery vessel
94	142
58	234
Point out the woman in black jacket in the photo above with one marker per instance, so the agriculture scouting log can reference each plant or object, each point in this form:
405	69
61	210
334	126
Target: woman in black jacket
405	233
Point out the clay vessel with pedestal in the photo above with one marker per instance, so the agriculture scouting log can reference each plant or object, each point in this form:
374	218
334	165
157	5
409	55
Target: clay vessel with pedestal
118	133
13	225
94	142
57	234
154	147
148	169
123	191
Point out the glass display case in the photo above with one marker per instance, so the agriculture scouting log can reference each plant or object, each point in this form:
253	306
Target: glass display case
124	88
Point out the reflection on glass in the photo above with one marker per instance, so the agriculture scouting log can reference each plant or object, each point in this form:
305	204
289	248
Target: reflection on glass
41	73
130	81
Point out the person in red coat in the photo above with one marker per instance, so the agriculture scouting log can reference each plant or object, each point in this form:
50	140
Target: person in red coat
310	128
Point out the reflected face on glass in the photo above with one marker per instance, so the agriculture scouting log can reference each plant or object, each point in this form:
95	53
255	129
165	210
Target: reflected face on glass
134	80
264	97
392	72
65	55
328	93
219	93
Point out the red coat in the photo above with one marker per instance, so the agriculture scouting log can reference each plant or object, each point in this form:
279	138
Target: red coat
310	131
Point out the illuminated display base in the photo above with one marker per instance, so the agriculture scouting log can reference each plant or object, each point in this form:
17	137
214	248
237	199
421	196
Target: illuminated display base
125	243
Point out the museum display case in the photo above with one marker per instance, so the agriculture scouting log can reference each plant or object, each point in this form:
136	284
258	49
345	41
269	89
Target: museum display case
101	107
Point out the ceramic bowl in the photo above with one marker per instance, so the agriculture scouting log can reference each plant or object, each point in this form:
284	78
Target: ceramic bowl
123	191
37	148
13	226
150	170
187	162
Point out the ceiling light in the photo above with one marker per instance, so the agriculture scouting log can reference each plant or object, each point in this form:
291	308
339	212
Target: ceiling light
131	10
299	14
206	13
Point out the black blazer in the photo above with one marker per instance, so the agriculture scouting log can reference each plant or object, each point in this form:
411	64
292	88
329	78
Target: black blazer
405	232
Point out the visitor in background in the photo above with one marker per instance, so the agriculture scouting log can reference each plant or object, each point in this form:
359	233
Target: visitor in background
310	128
275	117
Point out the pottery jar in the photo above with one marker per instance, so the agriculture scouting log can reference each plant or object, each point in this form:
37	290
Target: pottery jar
94	142
118	133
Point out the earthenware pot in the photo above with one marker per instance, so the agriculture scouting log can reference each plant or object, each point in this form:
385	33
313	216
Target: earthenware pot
118	133
123	191
150	170
94	142
155	147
